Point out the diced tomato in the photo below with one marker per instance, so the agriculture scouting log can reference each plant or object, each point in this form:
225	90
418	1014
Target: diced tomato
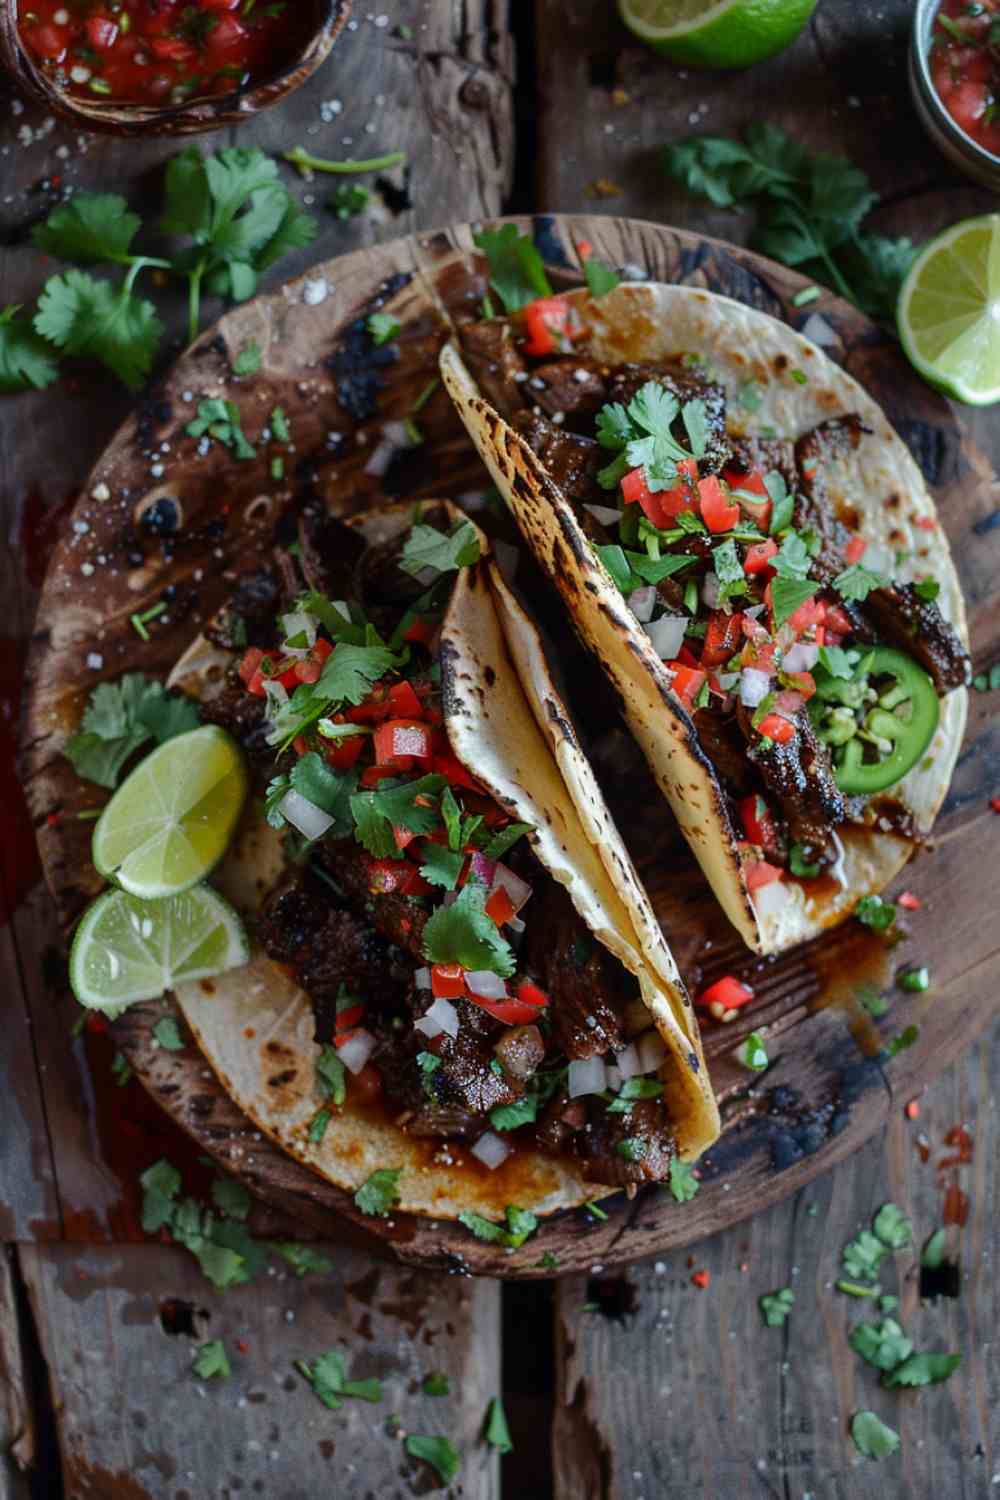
102	32
172	49
967	103
48	41
757	872
728	992
753	494
372	775
300	745
759	555
551	325
774	727
350	1017
635	490
686	656
663	506
448	981
445	763
396	876
531	994
810	613
758	822
854	548
838	619
518	1010
226	33
687	681
499	906
717	511
248	667
366	1087
342	754
908	901
404	701
801	682
584	249
722	638
421	631
403	739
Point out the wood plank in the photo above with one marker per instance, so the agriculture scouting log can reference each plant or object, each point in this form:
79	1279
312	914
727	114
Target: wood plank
691	1395
17	1437
136	1424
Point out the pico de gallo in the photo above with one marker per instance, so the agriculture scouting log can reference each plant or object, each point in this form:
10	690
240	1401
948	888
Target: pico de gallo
965	67
160	51
455	986
812	677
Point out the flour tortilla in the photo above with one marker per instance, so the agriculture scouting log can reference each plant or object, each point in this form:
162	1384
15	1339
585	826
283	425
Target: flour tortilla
880	482
255	1025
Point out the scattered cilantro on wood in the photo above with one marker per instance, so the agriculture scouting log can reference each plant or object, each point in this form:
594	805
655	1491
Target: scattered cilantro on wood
872	1437
211	1361
439	1452
327	1374
775	1306
497	1432
683	1183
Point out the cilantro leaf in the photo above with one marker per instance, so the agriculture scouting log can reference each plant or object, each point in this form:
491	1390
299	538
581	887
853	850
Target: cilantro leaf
376	813
520	1226
857	582
331	791
439	1452
160	1185
872	1437
517	272
933	1254
694	415
441	866
26	361
247	362
836	661
118	719
683	1183
792	559
167	1035
523	1111
92	228
462	933
382	327
922	1369
503	841
436	1384
211	1361
614	426
728	570
83	316
655	569
882	1344
893	1227
863	1256
799	865
330	1075
380	1192
303	1259
328	1377
630	1091
775	1306
782	501
497	1431
601	279
426	547
231	1198
787	594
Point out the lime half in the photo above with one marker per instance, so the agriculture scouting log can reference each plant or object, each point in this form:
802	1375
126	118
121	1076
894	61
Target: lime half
126	949
171	820
949	312
717	33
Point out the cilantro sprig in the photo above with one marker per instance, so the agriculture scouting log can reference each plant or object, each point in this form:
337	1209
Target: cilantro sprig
120	717
463	934
641	436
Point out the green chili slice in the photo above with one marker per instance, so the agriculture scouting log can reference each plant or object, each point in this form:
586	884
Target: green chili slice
879	723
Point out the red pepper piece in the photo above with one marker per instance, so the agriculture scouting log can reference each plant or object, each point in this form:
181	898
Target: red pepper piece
551	326
801	682
250	665
499	906
757	872
723	635
717	511
774	727
448	981
810	613
687	681
758	558
403	739
727	993
908	901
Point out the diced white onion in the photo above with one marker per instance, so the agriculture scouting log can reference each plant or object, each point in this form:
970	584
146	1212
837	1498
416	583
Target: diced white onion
667	635
485	984
880	558
517	889
628	1063
382	456
398	434
516	925
728	680
614	1078
422	979
642	602
769	899
304	815
587	1075
801	658
442	1016
710	590
754	686
652	1050
491	1150
356	1050
275	693
300	623
342	608
604	514
755	611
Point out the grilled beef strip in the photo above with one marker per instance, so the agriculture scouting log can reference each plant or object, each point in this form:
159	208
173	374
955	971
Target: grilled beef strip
496	363
800	776
248	616
814	506
625	381
897	616
400	919
765	455
584	1128
572	461
244	717
571	389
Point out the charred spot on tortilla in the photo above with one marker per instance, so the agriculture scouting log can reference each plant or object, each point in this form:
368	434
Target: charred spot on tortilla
490	676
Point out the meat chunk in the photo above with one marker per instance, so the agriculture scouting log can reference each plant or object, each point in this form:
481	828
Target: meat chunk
814	509
625	381
248	617
456	1098
720	738
400	919
624	1149
495	362
242	716
573	462
766	455
329	551
589	989
897	616
574	387
521	1051
800	775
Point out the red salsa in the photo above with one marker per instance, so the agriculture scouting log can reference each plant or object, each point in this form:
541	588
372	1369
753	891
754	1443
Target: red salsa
965	67
160	51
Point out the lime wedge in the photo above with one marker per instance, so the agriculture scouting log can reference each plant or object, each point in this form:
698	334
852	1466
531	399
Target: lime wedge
171	820
717	33
126	949
949	312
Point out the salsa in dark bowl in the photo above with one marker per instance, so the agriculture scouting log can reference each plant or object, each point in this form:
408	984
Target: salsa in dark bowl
163	51
965	67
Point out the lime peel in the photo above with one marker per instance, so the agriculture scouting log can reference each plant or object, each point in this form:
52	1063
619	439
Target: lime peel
716	33
949	312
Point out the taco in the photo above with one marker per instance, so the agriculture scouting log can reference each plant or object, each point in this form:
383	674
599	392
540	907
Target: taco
456	975
750	551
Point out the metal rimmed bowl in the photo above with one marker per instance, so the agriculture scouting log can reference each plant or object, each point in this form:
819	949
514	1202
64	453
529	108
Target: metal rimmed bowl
951	140
194	116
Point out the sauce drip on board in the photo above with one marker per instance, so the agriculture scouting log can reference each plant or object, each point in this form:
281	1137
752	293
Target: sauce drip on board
965	67
162	51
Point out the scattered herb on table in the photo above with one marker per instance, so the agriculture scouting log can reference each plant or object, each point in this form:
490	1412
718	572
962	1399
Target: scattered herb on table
872	1437
775	1306
439	1452
497	1431
303	1259
988	682
305	163
933	1254
167	1034
683	1184
876	913
348	200
327	1374
119	718
248	361
436	1384
211	1361
382	327
520	1226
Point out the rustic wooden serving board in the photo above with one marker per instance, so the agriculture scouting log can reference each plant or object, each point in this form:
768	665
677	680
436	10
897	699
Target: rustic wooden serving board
831	1082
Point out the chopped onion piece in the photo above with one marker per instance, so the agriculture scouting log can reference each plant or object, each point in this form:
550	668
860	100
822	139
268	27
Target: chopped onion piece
275	692
587	1075
642	602
614	1077
710	592
667	635
485	984
517	889
382	456
442	1016
788	703
342	608
628	1063
422	979
604	514
769	899
755	611
482	869
299	623
801	658
652	1050
516	925
491	1150
754	686
820	331
398	434
356	1050
310	820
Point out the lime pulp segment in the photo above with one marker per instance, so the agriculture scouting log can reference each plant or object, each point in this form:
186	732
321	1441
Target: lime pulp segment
949	311
171	820
127	949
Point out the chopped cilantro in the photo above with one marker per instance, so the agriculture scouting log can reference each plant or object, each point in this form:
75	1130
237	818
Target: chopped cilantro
857	582
520	1226
380	1192
752	1053
775	1306
436	1384
523	1111
382	327
231	1198
683	1183
872	1437
211	1361
915	981
882	1344
26	361
500	843
247	362
462	933
630	1091
863	1256
782	501
119	718
327	1375
167	1034
330	1075
875	913
497	1432
377	813
278	424
799	866
601	279
303	1259
221	420
922	1369
792	559
788	594
728	570
904	1039
439	1452
927	589
517	272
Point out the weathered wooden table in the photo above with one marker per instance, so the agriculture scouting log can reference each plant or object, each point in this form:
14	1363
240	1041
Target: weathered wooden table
643	1385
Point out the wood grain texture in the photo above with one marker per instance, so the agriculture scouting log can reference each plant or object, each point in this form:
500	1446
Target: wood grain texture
17	1437
136	1424
692	1395
444	97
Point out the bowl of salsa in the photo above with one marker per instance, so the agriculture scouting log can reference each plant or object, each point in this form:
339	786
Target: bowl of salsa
165	66
955	79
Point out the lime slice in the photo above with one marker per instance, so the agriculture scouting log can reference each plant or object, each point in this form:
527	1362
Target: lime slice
949	312
717	33
126	949
171	820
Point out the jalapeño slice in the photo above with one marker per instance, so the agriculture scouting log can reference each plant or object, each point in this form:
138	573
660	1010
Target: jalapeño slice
879	723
